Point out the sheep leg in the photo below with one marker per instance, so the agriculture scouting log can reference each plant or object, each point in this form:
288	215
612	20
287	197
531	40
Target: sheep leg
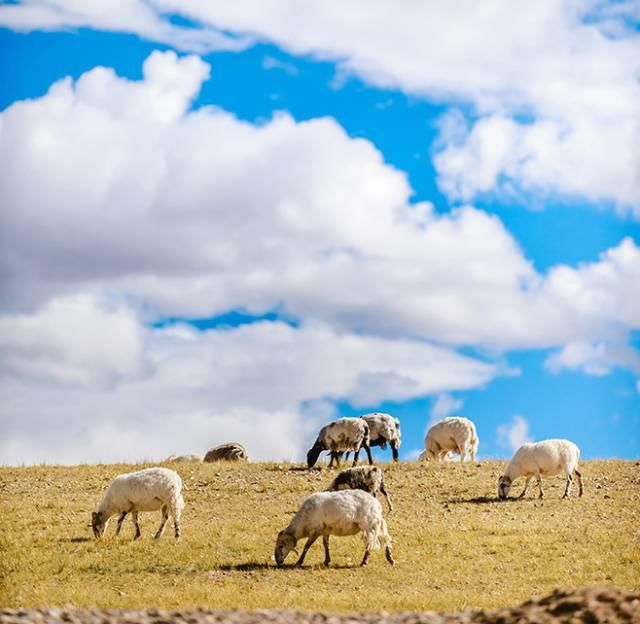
567	489
386	495
165	517
356	455
309	544
123	515
526	486
368	451
365	559
134	515
388	555
540	485
575	472
394	452
176	526
327	556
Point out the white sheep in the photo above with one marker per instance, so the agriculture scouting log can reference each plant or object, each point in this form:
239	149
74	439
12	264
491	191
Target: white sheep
383	429
184	458
346	512
456	434
549	457
151	489
231	451
366	478
343	434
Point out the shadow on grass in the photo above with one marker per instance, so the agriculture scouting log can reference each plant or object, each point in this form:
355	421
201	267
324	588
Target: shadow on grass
245	567
481	500
278	468
254	565
78	540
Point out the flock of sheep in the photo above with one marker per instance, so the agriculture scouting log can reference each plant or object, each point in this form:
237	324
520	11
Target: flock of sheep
349	505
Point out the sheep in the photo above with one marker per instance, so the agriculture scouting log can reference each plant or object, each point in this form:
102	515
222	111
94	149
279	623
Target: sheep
454	433
344	434
231	451
151	489
549	457
367	478
346	512
184	458
383	428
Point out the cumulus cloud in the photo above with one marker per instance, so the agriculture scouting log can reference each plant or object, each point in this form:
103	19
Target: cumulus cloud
570	68
513	434
134	16
159	210
64	343
597	358
266	384
193	212
445	405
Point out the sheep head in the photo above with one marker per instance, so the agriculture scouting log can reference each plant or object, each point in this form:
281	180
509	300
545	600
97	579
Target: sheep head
98	524
313	454
504	485
285	543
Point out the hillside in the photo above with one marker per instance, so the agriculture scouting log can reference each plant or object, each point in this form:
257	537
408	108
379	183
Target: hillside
456	546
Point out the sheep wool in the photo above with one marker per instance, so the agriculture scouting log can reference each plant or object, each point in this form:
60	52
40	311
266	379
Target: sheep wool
151	489
231	451
184	458
346	512
453	434
366	478
548	458
343	434
383	429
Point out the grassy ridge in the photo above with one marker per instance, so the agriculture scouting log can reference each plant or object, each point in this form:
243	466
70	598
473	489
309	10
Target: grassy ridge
455	545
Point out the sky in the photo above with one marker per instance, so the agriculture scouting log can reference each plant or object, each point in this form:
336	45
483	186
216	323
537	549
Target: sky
237	221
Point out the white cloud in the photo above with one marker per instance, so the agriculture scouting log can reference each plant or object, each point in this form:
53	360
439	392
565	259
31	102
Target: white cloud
267	385
571	68
66	343
513	434
445	405
193	213
134	16
544	157
596	358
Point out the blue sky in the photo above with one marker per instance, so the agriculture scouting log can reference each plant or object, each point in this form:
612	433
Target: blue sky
244	240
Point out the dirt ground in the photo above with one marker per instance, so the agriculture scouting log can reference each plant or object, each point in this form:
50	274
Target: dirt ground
588	605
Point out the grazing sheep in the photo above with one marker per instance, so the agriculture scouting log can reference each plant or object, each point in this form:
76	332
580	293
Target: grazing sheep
367	478
549	457
346	512
383	429
151	489
184	458
344	434
232	451
456	434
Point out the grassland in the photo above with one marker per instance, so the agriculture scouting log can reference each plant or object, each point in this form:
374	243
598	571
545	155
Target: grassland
456	546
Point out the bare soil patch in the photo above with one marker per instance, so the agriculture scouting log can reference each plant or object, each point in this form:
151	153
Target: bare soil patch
589	605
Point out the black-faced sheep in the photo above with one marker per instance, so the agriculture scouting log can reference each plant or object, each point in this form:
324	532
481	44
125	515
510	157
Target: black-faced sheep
344	434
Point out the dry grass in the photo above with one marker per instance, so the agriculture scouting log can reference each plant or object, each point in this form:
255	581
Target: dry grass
456	546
